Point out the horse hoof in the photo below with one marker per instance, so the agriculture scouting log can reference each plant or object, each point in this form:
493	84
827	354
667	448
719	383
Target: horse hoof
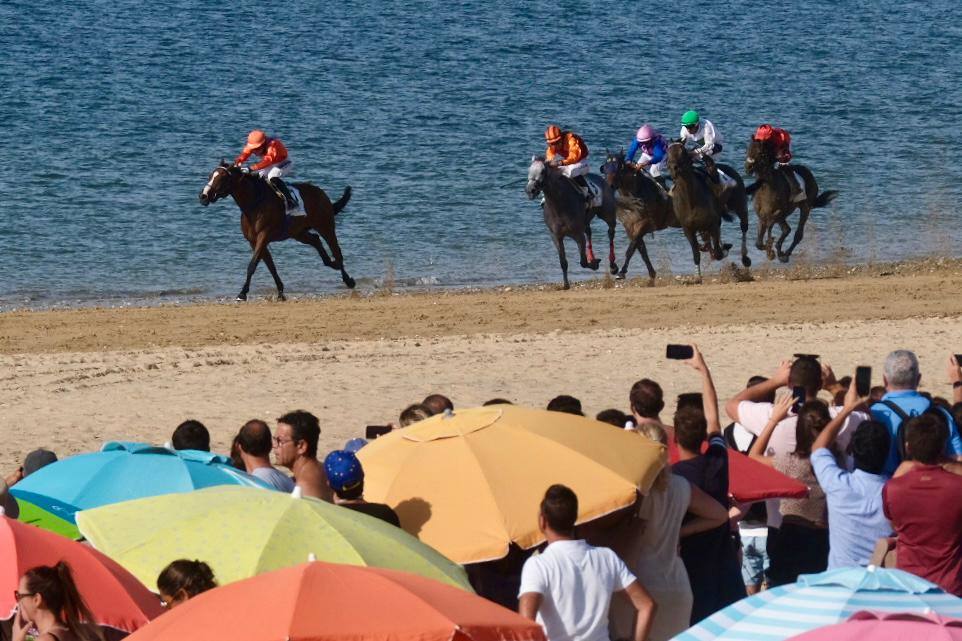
593	265
619	276
566	286
746	261
651	281
613	267
783	258
281	296
241	298
349	282
770	254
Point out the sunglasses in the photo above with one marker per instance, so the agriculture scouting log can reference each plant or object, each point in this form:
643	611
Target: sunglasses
20	595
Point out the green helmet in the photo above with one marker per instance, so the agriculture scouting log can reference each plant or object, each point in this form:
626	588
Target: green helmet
690	118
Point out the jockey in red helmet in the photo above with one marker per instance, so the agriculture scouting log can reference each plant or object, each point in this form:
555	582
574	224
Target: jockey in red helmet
780	142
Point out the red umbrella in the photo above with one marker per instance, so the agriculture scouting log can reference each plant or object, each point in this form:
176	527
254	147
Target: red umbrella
115	597
319	601
750	480
888	626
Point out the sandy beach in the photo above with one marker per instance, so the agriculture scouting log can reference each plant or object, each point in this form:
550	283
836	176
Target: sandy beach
73	379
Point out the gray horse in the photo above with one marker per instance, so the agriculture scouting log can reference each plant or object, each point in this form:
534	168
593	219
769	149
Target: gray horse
696	205
566	213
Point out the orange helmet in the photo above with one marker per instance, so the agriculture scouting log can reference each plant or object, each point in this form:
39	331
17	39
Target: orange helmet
552	134
255	140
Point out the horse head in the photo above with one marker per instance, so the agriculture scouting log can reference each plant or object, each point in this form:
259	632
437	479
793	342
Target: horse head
613	166
537	172
679	160
757	155
220	183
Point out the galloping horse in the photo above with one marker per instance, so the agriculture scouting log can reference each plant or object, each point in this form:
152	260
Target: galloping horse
643	207
264	219
695	204
567	215
773	199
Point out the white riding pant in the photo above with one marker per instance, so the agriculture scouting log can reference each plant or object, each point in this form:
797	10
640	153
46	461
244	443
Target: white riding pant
279	170
579	168
661	169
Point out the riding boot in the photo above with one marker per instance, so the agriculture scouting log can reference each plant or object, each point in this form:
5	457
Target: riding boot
283	192
582	184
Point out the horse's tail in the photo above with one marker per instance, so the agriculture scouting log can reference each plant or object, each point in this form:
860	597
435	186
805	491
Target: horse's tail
752	188
825	198
341	202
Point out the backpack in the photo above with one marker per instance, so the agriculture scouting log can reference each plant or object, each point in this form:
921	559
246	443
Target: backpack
932	409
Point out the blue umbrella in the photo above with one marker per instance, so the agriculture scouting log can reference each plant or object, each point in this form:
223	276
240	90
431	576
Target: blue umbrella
120	472
817	600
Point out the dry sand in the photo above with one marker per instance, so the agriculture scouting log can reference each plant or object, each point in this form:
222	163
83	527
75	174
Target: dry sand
70	380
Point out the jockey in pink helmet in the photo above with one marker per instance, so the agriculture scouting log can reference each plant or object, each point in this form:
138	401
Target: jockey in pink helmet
654	151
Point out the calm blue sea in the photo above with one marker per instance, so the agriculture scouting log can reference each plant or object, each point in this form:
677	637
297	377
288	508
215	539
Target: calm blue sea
114	113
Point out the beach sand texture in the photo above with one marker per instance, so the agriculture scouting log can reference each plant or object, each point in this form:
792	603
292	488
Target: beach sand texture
71	380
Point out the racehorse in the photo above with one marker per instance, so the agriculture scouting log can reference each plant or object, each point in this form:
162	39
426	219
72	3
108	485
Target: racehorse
695	204
264	219
567	215
643	207
773	198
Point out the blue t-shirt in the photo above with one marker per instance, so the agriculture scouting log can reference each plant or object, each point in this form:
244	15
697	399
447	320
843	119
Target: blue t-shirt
856	520
913	404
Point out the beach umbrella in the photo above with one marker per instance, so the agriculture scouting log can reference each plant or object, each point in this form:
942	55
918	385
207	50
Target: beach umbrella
115	597
817	600
469	483
750	480
887	626
330	602
51	496
241	532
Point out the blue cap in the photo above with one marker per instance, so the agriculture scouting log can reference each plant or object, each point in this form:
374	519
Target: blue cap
344	471
355	444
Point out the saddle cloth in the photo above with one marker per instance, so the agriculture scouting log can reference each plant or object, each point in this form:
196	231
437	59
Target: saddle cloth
594	186
298	209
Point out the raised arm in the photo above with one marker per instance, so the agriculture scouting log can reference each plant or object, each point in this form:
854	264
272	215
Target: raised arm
779	412
758	392
708	395
827	435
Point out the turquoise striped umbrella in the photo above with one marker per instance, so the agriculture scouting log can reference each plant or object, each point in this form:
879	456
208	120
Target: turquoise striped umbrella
816	600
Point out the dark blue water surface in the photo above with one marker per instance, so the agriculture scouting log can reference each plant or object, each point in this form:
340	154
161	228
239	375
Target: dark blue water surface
114	113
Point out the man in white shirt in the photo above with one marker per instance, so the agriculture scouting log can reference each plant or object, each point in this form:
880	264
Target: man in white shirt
568	587
254	442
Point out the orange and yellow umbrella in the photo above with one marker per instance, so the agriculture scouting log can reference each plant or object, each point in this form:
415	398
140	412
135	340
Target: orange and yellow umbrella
469	483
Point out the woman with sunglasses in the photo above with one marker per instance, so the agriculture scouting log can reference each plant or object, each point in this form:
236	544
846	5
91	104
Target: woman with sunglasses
48	602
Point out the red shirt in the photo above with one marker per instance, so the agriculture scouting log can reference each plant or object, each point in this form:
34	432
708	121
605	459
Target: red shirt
276	152
925	508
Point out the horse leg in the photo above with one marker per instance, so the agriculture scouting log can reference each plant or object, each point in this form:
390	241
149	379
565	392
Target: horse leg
331	239
643	250
589	252
314	241
760	239
743	223
695	249
269	261
584	243
559	243
783	225
719	251
259	246
632	245
804	211
612	265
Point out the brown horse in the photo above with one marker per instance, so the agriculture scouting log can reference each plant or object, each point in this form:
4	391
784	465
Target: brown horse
264	219
773	198
695	204
644	207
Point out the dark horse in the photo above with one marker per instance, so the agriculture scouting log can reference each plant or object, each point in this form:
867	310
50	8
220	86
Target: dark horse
643	207
773	198
567	215
696	204
264	219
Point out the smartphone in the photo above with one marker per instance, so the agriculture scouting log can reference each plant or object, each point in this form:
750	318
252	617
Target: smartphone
799	394
679	352
863	380
814	357
371	432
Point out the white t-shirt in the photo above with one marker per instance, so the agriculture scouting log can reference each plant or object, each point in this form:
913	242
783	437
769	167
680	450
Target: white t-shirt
754	417
276	479
706	133
576	581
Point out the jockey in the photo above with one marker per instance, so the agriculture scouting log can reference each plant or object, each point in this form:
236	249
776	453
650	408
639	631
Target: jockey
780	142
273	165
700	130
654	151
568	152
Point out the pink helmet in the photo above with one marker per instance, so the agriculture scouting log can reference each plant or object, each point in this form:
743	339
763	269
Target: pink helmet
646	133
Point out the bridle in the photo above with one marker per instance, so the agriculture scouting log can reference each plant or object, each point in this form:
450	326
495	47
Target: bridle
208	191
